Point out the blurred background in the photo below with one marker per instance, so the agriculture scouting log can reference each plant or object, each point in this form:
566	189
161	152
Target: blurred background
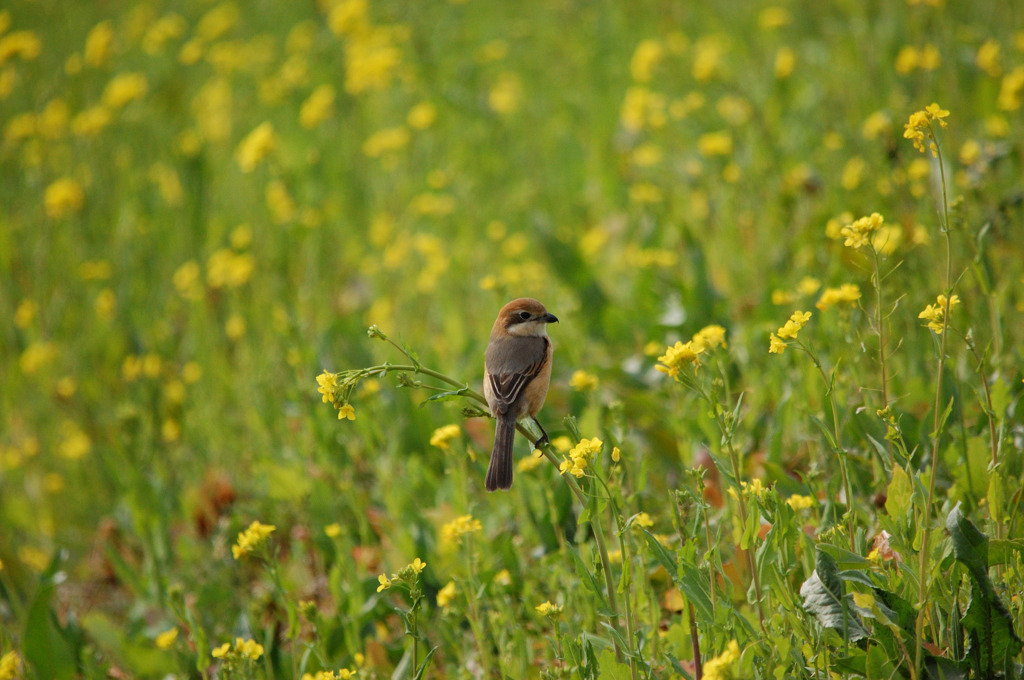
204	205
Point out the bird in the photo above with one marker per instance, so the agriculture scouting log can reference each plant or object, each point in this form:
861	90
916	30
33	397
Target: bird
517	370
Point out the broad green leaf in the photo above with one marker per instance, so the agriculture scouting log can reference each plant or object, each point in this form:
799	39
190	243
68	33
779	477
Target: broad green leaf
823	597
992	642
898	494
610	668
661	553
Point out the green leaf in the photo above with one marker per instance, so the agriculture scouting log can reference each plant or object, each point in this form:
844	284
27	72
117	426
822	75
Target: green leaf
996	496
610	668
898	494
992	643
823	597
423	666
1001	398
661	553
589	580
445	396
46	646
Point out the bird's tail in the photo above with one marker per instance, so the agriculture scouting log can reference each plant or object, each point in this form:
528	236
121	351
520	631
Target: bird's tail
499	472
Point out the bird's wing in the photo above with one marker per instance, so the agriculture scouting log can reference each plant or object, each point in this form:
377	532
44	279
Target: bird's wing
506	387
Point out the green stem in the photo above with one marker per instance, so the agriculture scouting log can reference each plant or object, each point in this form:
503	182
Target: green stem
602	549
936	435
880	329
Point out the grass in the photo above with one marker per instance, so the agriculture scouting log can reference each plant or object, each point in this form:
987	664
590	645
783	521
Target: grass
206	206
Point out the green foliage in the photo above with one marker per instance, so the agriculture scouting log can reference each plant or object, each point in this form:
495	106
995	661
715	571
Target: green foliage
789	286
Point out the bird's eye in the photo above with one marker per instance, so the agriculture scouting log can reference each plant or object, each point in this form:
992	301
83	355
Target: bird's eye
525	316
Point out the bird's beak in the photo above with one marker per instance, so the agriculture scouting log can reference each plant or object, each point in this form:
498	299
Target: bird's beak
549	318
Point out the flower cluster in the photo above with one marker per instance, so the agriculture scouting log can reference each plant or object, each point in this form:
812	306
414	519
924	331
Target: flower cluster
677	355
681	353
252	539
788	331
341	674
408	575
756	488
935	314
858	233
720	667
830	297
580	457
9	666
550	610
443	436
920	125
454	531
581	381
446	595
242	649
336	393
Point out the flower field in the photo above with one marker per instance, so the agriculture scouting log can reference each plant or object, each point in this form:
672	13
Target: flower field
250	254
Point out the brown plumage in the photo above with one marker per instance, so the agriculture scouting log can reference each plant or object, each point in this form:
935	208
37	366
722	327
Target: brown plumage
517	370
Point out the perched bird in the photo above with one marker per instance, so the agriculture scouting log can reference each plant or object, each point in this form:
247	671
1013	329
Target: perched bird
517	370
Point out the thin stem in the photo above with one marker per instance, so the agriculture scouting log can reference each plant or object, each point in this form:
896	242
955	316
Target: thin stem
602	549
839	451
936	419
880	329
734	458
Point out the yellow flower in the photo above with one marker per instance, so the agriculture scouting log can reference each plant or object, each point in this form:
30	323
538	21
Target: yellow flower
461	526
581	381
421	116
847	292
63	197
505	94
785	62
548	609
346	411
222	651
333	530
9	665
252	539
446	595
123	89
644	520
384	581
417	565
165	639
711	336
678	354
935	314
248	648
858	233
443	436
99	44
773	17
327	382
256	146
794	324
616	454
919	125
987	58
775	345
75	444
318	107
720	667
715	144
502	578
228	269
799	503
24	44
386	141
645	59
